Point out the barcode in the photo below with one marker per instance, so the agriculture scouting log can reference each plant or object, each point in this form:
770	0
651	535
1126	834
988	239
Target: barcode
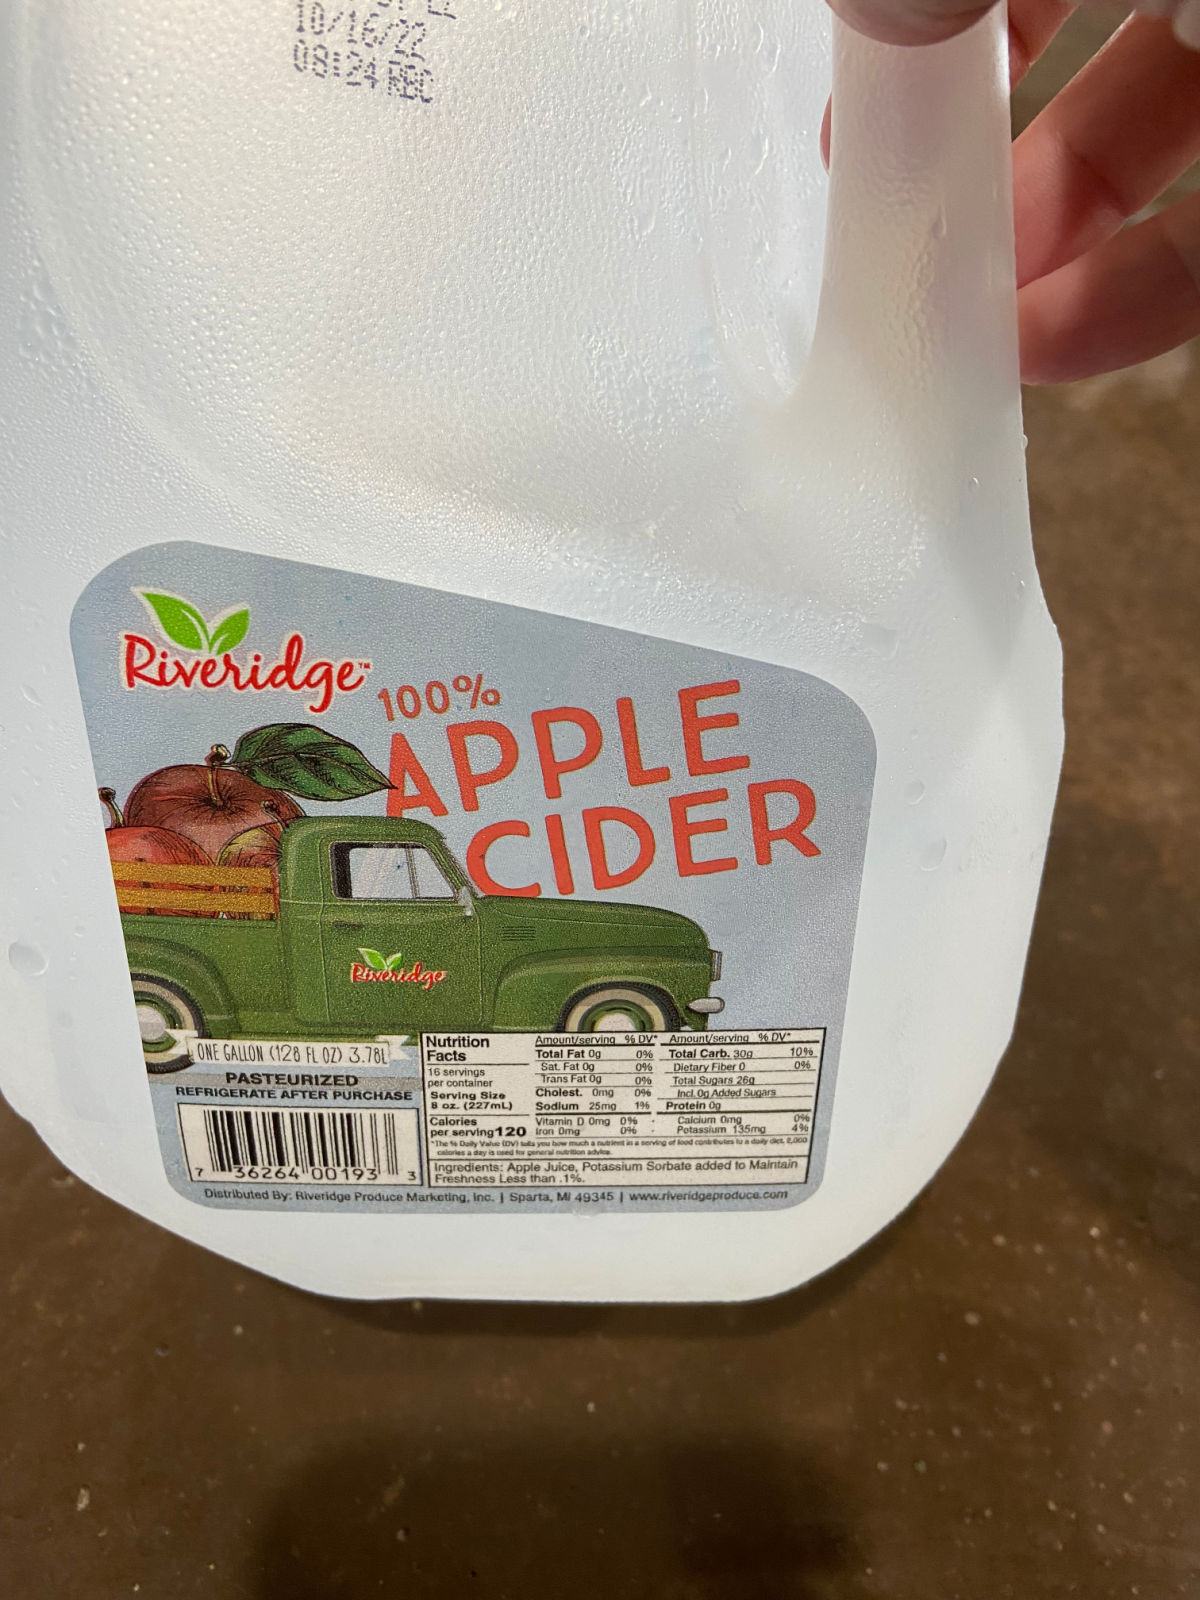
300	1146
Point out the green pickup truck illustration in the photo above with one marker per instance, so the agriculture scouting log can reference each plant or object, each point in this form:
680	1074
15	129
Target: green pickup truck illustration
368	926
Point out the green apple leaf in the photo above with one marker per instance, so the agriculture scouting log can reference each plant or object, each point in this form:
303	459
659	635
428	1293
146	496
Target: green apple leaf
376	961
178	620
228	632
304	760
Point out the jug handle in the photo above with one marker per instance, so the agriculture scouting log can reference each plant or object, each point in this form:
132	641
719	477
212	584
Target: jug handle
919	279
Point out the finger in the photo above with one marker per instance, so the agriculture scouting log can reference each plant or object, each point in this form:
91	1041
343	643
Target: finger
1031	26
1187	23
910	21
1128	299
1108	144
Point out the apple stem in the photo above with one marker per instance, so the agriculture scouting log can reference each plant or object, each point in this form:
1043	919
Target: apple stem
214	761
108	799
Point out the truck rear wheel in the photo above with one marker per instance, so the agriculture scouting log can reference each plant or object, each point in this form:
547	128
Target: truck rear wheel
619	1008
163	1010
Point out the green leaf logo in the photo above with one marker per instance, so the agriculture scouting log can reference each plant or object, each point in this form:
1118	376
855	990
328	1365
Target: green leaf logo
182	624
376	962
394	963
304	760
228	631
178	620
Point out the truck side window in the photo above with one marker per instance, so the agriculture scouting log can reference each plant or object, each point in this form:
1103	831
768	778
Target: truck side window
428	876
372	872
388	872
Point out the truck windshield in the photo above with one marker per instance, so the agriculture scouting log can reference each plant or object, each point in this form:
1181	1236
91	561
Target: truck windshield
388	872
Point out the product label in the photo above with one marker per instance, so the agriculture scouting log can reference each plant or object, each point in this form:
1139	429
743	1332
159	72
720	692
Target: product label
433	901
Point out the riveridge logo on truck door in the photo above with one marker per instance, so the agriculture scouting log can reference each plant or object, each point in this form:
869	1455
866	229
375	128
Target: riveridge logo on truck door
377	968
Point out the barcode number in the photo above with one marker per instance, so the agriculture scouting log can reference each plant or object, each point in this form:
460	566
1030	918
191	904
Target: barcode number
300	1146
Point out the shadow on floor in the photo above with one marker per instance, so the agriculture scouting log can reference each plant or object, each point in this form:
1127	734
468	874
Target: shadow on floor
728	1519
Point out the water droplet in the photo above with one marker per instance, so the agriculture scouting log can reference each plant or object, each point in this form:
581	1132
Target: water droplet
31	694
972	484
27	959
933	855
915	792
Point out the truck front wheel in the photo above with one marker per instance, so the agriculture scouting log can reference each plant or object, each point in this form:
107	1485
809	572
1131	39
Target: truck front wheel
619	1008
162	1011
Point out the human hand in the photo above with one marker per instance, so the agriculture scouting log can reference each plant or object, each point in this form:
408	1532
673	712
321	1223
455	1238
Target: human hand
1093	295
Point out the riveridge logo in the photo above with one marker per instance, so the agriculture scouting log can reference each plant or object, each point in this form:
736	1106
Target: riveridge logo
377	968
212	664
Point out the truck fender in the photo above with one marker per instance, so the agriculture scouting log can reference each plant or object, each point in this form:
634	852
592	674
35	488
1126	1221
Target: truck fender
183	969
535	989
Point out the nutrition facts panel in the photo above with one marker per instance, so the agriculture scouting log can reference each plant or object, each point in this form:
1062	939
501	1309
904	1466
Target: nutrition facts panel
559	1110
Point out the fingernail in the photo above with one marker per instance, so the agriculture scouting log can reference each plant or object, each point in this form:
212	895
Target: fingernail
1187	24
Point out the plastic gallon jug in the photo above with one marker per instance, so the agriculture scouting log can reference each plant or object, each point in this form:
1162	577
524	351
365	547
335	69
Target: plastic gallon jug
532	723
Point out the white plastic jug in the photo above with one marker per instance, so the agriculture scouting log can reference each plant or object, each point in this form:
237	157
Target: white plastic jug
542	582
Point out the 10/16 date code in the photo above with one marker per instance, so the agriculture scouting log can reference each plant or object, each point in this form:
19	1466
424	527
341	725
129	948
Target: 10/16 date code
382	47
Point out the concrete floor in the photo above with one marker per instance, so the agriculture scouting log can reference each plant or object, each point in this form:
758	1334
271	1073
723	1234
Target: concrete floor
996	1398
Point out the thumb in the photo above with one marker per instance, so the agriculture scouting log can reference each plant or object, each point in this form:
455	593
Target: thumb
910	21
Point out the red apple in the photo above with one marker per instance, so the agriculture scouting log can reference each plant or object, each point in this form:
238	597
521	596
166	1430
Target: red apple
157	845
208	804
152	846
257	847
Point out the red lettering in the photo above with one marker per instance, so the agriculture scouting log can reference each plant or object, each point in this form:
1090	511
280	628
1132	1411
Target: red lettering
593	831
695	726
552	767
564	882
684	830
139	655
209	670
469	781
477	858
283	674
235	674
791	832
349	676
184	672
320	677
144	662
635	771
402	766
